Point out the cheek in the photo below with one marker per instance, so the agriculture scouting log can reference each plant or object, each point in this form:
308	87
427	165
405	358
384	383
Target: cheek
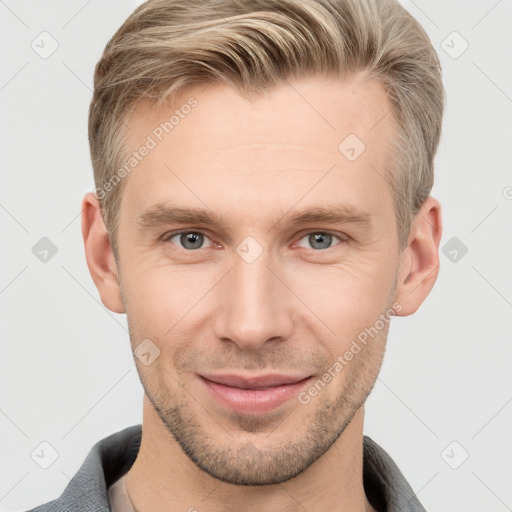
347	296
162	299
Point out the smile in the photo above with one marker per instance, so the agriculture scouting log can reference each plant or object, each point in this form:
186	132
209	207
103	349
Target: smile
253	395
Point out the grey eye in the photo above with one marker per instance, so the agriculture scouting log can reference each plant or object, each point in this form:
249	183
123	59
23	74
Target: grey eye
319	240
190	240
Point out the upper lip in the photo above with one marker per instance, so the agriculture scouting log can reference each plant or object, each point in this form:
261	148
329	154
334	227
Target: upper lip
260	381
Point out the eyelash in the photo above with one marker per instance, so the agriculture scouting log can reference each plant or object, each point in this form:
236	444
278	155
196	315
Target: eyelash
343	238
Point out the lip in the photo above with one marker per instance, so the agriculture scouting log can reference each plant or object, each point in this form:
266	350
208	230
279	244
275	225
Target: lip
253	395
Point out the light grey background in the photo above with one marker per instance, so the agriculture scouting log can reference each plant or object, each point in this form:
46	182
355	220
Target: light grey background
67	374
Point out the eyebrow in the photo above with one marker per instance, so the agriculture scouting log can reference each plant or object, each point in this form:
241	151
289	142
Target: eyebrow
163	214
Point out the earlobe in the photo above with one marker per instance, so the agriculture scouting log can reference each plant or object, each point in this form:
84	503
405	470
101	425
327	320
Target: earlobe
420	260
99	255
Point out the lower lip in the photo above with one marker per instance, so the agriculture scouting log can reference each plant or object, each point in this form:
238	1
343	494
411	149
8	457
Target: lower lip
254	401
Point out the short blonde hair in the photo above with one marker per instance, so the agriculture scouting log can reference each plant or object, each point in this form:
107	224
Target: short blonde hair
254	45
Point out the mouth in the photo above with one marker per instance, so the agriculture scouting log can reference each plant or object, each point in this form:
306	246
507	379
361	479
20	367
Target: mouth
253	395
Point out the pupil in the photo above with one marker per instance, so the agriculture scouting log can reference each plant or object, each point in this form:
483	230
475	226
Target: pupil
189	240
322	238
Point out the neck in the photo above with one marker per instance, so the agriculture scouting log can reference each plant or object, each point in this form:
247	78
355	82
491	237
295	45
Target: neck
164	478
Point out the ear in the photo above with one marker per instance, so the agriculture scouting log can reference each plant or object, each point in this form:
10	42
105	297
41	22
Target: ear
419	266
99	255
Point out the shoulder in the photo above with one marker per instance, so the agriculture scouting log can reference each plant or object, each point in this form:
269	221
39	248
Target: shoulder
107	461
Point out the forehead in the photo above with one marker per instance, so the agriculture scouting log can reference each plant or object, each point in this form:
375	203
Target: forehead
213	143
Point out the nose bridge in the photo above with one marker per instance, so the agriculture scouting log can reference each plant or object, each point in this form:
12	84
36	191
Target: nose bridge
255	308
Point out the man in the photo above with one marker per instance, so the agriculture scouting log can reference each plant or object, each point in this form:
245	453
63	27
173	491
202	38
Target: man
262	211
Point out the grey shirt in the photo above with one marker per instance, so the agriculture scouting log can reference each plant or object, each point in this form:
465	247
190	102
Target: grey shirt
109	459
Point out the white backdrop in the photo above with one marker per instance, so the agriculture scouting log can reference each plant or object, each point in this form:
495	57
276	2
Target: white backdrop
442	406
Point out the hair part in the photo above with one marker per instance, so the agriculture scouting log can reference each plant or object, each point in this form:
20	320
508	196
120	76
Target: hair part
253	46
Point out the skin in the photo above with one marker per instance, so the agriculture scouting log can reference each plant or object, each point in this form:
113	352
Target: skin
294	309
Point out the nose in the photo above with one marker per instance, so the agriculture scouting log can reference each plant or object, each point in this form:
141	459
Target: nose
255	305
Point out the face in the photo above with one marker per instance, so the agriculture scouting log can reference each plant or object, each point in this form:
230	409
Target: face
253	252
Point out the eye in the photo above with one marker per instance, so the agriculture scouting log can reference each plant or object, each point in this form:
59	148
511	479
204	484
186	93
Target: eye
194	240
189	240
321	240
